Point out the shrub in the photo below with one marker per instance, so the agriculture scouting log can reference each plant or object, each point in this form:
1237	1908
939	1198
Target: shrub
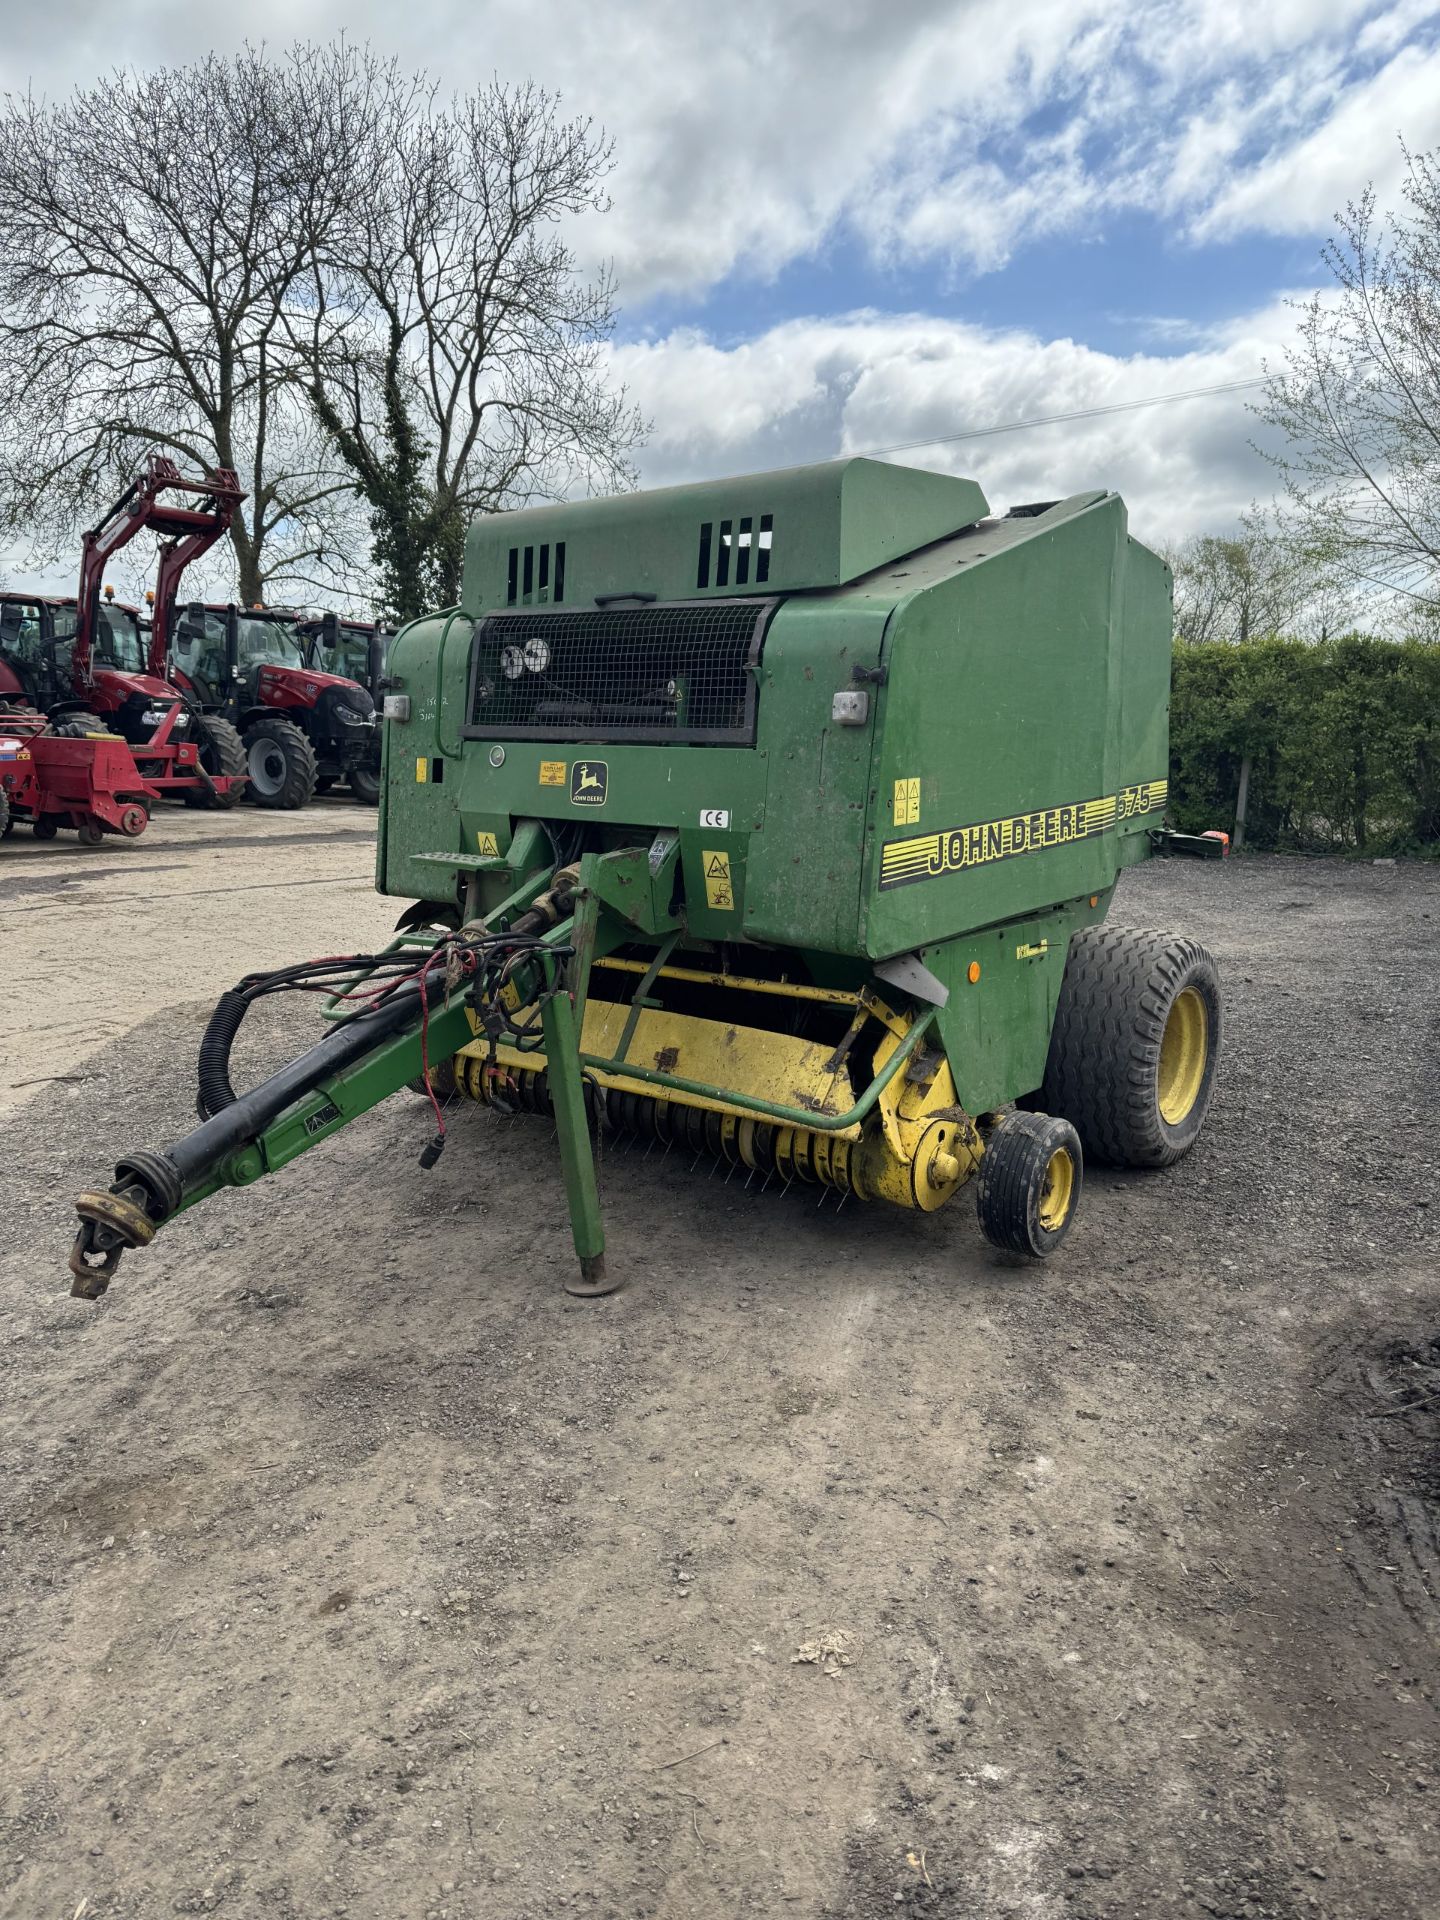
1343	739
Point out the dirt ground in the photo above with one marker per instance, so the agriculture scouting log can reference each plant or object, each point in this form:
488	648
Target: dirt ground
351	1568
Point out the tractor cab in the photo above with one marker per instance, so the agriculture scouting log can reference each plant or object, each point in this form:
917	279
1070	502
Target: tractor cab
355	648
37	643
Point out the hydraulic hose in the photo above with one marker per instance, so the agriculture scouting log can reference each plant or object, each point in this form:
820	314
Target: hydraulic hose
213	1064
247	1115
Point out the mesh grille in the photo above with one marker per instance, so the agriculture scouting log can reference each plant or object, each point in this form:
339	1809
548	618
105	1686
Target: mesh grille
659	673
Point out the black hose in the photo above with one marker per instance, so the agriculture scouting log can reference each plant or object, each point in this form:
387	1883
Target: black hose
213	1065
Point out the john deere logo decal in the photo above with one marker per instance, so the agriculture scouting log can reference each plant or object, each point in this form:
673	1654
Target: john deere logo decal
925	856
589	780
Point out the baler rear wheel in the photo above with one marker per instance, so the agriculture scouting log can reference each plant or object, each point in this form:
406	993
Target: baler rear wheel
282	764
1030	1178
1134	1045
221	752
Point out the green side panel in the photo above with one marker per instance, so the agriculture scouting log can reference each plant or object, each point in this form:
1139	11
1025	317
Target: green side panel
1149	620
801	527
1004	701
996	1029
804	870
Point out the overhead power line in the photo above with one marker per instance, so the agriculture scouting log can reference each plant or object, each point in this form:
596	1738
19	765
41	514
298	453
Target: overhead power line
1059	419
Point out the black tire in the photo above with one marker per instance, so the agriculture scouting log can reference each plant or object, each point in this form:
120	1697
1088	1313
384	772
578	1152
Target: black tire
80	726
1134	1045
90	835
44	828
281	763
7	825
221	752
1031	1173
365	785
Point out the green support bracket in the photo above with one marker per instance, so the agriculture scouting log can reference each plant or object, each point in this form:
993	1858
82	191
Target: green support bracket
577	1155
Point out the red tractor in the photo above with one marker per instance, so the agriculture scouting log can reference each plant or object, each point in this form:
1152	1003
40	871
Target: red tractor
302	730
85	665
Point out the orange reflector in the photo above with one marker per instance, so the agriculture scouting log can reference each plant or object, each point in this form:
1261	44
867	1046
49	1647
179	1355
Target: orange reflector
1094	899
972	972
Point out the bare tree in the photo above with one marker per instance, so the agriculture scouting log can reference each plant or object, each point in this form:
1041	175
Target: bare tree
1358	399
1263	580
151	231
452	350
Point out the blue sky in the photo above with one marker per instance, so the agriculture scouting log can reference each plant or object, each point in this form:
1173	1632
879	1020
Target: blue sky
839	224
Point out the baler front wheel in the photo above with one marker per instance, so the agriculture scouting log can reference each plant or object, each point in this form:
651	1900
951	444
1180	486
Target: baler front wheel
1134	1045
1030	1180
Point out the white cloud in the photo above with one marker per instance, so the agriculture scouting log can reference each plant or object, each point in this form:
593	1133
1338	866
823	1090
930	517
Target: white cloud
1299	187
812	389
942	130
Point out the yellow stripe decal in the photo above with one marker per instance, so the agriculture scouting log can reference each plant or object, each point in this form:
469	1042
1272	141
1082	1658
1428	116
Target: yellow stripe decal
925	857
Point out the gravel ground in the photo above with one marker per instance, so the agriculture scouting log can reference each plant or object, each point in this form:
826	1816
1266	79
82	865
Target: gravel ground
348	1567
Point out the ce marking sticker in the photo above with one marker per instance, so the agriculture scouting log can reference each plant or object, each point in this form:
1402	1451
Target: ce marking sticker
717	817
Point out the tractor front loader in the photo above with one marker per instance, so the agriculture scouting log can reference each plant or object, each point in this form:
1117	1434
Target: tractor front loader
777	821
88	667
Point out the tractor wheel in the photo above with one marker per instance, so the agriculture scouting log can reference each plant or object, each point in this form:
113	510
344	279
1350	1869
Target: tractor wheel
7	825
365	785
281	763
1134	1045
1030	1177
222	752
44	828
80	726
90	835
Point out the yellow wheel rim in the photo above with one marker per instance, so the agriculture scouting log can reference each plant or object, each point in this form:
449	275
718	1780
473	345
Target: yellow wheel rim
1058	1190
1183	1053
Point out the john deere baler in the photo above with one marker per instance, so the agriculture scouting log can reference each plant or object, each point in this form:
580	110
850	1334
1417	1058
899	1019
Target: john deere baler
775	819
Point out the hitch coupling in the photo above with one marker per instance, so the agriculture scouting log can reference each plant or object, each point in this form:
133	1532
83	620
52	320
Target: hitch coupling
146	1190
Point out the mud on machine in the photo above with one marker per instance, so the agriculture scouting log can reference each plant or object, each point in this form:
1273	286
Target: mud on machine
775	819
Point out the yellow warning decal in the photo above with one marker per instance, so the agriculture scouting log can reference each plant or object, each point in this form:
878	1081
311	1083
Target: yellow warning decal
928	855
552	773
907	803
486	843
718	890
421	772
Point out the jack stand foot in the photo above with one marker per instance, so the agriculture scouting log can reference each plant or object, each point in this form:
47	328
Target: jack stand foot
592	1280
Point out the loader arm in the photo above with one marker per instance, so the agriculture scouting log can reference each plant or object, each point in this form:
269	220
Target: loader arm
187	532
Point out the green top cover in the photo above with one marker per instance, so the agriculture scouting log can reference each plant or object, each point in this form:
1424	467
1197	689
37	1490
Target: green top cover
763	533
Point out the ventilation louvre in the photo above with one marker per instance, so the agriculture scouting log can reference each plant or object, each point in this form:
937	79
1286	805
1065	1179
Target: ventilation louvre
528	577
737	543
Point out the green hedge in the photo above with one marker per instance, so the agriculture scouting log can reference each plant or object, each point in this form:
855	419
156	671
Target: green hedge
1343	739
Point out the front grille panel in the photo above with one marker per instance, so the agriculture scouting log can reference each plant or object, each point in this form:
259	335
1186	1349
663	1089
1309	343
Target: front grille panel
684	672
